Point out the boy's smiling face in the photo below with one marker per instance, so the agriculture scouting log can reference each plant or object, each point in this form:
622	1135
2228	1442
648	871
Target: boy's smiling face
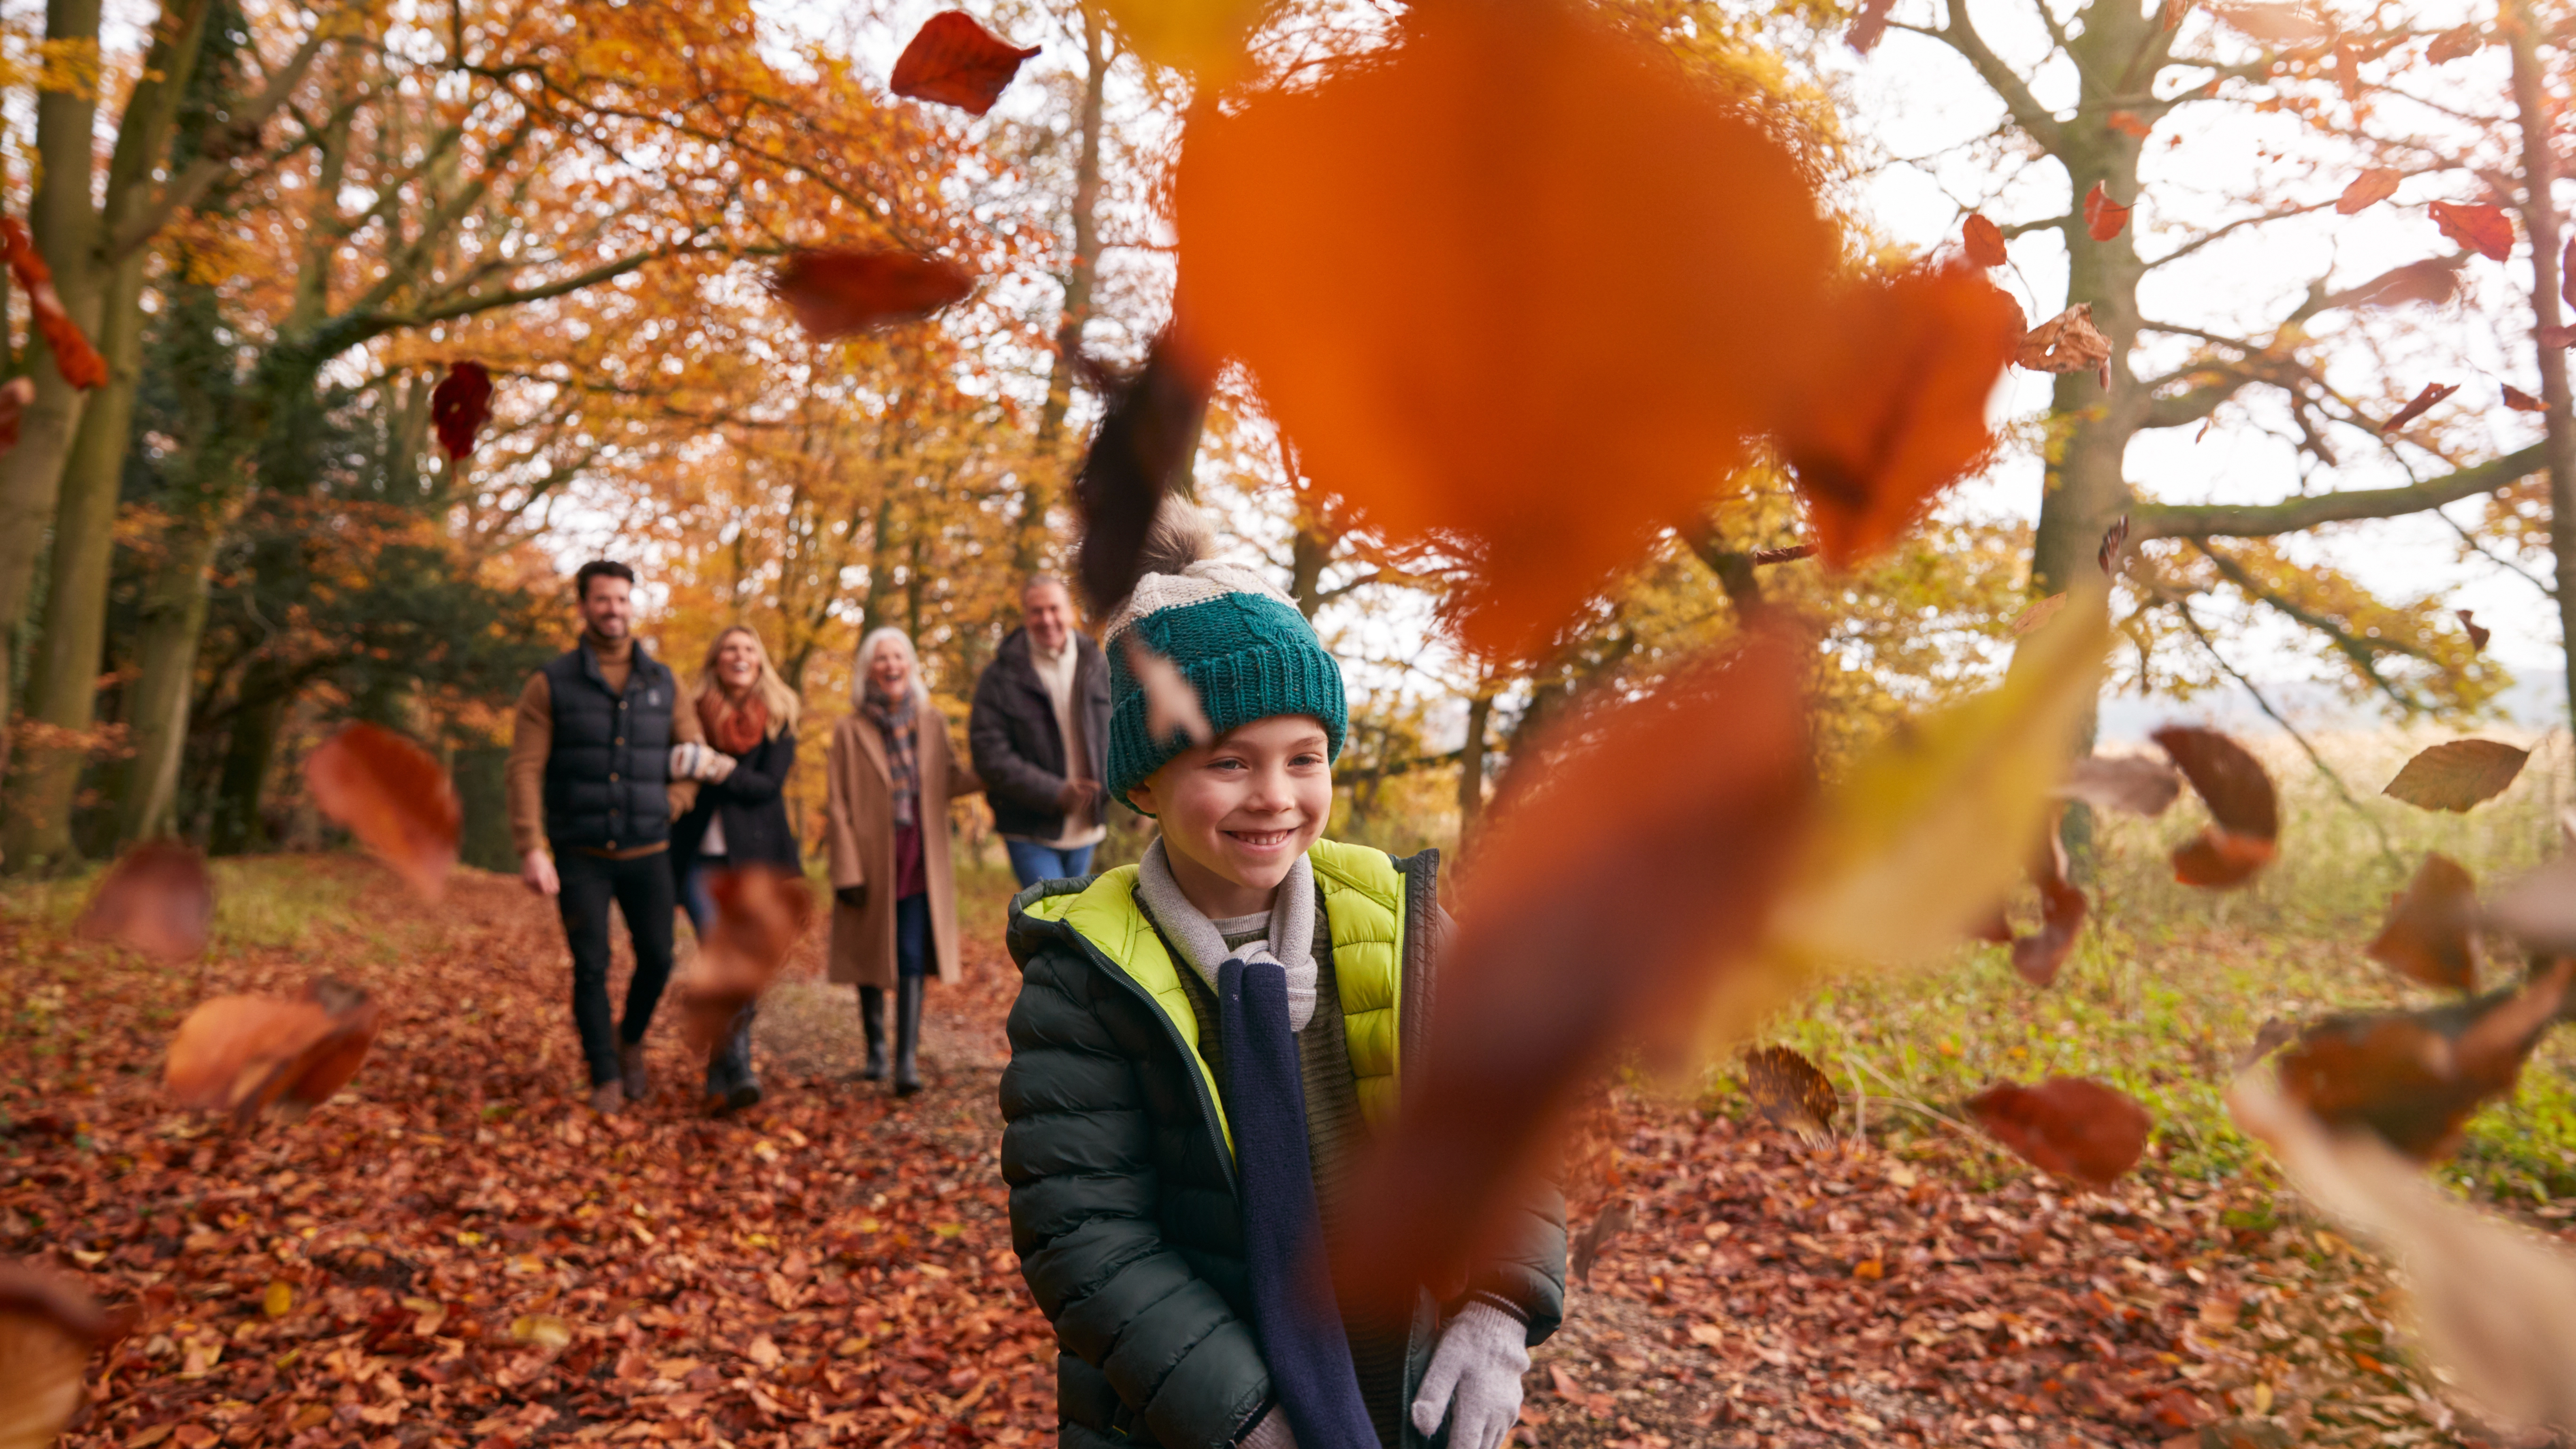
1237	813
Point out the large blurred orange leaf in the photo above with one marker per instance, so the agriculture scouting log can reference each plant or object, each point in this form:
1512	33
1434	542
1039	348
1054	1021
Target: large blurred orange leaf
2071	1126
47	1327
1695	790
835	293
956	62
2480	228
2432	930
244	1054
2414	1077
156	899
1522	284
760	912
2245	817
74	357
394	797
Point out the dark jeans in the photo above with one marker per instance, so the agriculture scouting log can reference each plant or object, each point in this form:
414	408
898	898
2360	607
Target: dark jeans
642	889
1032	862
697	898
912	936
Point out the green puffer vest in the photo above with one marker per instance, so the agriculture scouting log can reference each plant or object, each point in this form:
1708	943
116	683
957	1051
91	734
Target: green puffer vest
1120	1160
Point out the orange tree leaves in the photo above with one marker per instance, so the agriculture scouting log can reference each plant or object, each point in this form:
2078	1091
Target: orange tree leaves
47	1326
2070	1126
2103	217
2457	775
393	796
760	912
2244	812
1983	241
1696	789
74	357
1632	282
956	62
156	899
836	293
460	405
243	1054
2481	229
2368	190
2414	1077
2431	934
1789	1089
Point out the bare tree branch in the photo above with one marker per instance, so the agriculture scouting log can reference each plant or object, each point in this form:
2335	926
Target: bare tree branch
2262	520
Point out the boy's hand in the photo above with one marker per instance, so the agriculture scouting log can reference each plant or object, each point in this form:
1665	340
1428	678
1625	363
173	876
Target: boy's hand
1475	1378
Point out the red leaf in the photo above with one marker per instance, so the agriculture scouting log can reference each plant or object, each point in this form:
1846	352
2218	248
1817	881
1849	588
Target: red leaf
760	913
2062	908
393	796
243	1054
956	62
1899	416
1984	241
1870	24
15	395
1696	789
74	358
2478	633
1172	707
2480	228
156	899
2070	1126
2242	806
2103	217
2127	123
2414	1077
835	293
459	406
2452	44
2431	934
2115	542
2567	272
2522	402
2368	190
2421	403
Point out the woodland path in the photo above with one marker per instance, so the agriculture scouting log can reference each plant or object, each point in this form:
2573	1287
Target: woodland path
457	1253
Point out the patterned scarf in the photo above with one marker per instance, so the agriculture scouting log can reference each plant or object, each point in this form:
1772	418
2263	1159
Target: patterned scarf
893	719
735	729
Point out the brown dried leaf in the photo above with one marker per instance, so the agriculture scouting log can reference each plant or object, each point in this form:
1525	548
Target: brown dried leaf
394	797
1598	1234
2368	190
956	62
2522	402
2242	806
761	911
1983	241
2134	783
2433	281
2477	226
2067	342
2115	542
2494	1305
2414	1077
47	1327
243	1054
2419	405
2458	775
2539	910
836	293
1870	24
2432	930
1172	705
2038	957
1790	1090
156	899
2454	44
2070	1126
1140	451
2478	633
2036	615
2103	217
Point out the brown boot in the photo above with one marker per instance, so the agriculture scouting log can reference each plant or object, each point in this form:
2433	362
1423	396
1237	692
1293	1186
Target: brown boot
608	1099
630	1072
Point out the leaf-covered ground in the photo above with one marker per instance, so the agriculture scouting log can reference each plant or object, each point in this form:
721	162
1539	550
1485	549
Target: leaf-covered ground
457	1252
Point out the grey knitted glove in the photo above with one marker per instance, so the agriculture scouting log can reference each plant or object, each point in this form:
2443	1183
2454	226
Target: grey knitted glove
1475	1378
693	761
1271	1432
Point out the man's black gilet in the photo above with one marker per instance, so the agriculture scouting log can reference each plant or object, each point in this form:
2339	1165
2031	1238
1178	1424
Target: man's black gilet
611	762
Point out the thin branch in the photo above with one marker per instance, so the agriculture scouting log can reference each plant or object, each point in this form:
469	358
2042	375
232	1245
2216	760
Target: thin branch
2262	520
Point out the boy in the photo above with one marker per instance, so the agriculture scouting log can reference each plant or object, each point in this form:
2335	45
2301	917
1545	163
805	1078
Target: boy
1202	1044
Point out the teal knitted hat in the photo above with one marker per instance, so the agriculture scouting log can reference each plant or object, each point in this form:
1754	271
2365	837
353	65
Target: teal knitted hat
1237	640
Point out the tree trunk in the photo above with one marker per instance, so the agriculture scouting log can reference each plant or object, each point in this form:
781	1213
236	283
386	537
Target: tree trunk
259	717
1309	549
65	228
1471	765
174	619
1038	498
2540	220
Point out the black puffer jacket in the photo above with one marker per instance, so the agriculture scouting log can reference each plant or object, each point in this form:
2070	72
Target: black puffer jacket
1123	1206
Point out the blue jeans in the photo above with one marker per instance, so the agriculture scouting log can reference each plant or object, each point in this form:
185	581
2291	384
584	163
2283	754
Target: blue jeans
696	897
1032	862
912	936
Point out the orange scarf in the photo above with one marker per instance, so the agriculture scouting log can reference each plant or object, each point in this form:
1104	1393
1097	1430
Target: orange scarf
736	729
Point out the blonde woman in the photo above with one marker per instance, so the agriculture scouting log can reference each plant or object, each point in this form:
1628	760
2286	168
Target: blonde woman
893	769
749	716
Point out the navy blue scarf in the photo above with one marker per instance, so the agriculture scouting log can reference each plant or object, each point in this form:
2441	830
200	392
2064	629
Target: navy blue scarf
1283	1232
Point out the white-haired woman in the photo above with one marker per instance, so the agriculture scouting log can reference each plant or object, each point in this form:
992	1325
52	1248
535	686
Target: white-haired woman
893	770
749	715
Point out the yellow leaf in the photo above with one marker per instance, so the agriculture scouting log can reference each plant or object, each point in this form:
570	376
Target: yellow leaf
280	1298
542	1329
1202	37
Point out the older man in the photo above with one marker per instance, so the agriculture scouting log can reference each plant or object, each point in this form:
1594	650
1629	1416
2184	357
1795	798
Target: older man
1039	734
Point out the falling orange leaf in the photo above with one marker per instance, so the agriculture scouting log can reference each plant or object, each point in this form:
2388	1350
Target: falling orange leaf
760	913
2244	810
2128	123
835	293
1984	241
2432	931
2478	633
393	796
956	62
74	357
156	899
48	1325
2522	402
1870	25
244	1054
2067	342
2482	229
2071	1126
2368	190
2103	217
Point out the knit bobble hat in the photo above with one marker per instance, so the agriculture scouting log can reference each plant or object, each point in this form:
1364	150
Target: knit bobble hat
1237	640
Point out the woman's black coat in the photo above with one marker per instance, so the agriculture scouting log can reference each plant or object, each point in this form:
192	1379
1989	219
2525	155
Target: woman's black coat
756	829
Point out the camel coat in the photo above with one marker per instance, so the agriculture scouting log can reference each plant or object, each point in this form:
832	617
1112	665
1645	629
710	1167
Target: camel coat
859	828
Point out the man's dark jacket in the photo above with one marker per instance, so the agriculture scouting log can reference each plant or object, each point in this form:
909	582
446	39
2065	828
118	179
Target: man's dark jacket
1018	751
610	766
756	828
1123	1199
